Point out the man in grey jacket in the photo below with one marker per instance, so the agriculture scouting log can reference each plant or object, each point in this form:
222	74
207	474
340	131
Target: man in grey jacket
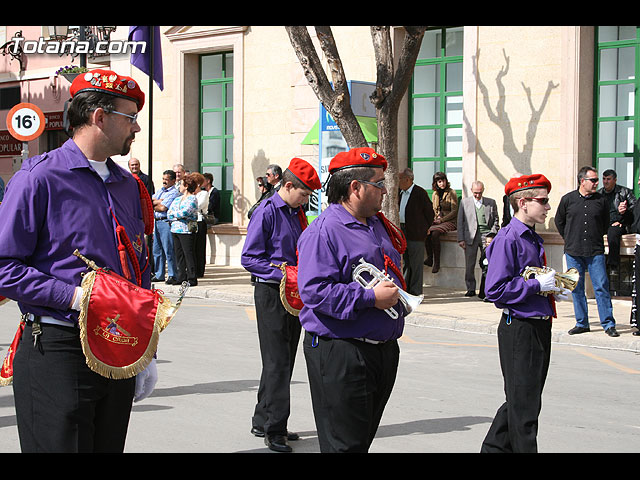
477	216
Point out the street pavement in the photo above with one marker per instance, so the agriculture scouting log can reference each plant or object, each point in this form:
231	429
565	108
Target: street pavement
207	407
443	308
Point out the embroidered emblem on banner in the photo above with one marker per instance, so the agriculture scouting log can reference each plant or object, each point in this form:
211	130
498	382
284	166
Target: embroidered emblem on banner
115	333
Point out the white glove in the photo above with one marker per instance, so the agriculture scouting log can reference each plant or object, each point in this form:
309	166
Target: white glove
547	281
146	381
76	299
562	295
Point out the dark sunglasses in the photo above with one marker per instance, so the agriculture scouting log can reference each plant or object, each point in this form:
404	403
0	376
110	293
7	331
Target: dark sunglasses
379	184
593	180
541	201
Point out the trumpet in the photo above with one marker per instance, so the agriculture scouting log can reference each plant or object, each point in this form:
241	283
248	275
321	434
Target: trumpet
410	302
568	279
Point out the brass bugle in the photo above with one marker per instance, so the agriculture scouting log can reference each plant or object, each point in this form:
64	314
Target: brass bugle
568	279
410	302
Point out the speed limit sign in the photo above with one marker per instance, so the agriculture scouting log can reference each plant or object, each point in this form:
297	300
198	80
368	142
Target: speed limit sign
25	122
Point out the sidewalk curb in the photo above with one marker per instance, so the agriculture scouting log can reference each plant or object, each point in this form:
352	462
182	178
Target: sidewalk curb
594	339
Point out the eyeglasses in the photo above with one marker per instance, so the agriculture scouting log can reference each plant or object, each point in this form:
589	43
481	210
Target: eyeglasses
268	174
132	118
593	180
540	200
379	184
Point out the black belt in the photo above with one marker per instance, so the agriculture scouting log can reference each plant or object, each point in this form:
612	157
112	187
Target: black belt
532	317
314	339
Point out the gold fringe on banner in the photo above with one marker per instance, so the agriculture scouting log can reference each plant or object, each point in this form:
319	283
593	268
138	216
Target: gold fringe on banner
164	313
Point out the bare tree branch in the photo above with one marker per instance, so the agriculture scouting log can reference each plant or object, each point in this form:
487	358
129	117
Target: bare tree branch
391	85
335	99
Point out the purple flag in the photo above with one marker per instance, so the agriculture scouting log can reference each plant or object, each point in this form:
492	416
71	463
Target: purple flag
142	33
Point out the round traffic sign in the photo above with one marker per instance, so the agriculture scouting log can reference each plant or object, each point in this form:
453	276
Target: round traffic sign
25	122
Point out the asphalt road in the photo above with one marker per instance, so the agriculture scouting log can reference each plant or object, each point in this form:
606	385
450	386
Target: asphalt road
448	388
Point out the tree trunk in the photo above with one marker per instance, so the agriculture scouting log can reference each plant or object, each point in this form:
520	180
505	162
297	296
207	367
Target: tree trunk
390	88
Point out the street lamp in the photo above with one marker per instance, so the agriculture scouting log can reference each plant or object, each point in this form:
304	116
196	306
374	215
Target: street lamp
58	34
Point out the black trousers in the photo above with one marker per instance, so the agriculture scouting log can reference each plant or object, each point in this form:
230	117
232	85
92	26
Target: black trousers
200	249
184	251
614	237
278	335
525	350
635	295
351	382
63	406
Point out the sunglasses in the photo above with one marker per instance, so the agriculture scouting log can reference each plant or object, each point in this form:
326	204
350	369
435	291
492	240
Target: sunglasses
132	118
379	184
593	180
541	201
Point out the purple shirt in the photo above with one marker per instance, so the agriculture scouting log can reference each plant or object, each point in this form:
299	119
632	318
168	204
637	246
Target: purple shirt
272	235
54	204
335	305
515	247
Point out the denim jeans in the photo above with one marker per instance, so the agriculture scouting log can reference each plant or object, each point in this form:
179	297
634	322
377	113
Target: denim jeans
163	250
597	268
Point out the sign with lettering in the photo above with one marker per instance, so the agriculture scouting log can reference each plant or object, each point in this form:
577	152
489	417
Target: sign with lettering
9	146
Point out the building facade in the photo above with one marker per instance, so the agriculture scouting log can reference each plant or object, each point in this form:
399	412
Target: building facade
484	103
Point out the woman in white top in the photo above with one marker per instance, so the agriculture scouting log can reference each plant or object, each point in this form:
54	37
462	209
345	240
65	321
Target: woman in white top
202	196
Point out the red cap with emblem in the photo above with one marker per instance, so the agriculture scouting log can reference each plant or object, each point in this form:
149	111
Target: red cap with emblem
525	182
305	172
108	81
357	157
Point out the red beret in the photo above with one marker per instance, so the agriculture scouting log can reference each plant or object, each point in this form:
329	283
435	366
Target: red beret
305	172
525	182
108	81
357	157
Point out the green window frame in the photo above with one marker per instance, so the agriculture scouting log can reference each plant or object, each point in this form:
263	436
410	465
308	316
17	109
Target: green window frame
617	123
435	108
216	126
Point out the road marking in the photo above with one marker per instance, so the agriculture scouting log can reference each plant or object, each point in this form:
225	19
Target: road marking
607	362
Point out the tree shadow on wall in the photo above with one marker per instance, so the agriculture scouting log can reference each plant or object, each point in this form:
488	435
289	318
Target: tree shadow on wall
520	159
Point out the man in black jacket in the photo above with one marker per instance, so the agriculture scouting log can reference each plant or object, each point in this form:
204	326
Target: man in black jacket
621	201
416	216
582	220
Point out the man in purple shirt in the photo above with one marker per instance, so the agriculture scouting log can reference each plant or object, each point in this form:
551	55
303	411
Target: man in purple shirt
272	236
524	332
67	199
350	344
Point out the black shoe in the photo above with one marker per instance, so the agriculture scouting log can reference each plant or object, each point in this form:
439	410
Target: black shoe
576	330
172	281
277	443
193	282
636	333
259	432
611	331
429	261
470	293
154	279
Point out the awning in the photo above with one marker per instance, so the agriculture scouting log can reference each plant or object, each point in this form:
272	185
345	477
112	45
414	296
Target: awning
369	126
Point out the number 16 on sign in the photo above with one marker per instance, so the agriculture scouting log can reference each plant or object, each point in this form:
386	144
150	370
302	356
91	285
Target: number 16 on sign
25	122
